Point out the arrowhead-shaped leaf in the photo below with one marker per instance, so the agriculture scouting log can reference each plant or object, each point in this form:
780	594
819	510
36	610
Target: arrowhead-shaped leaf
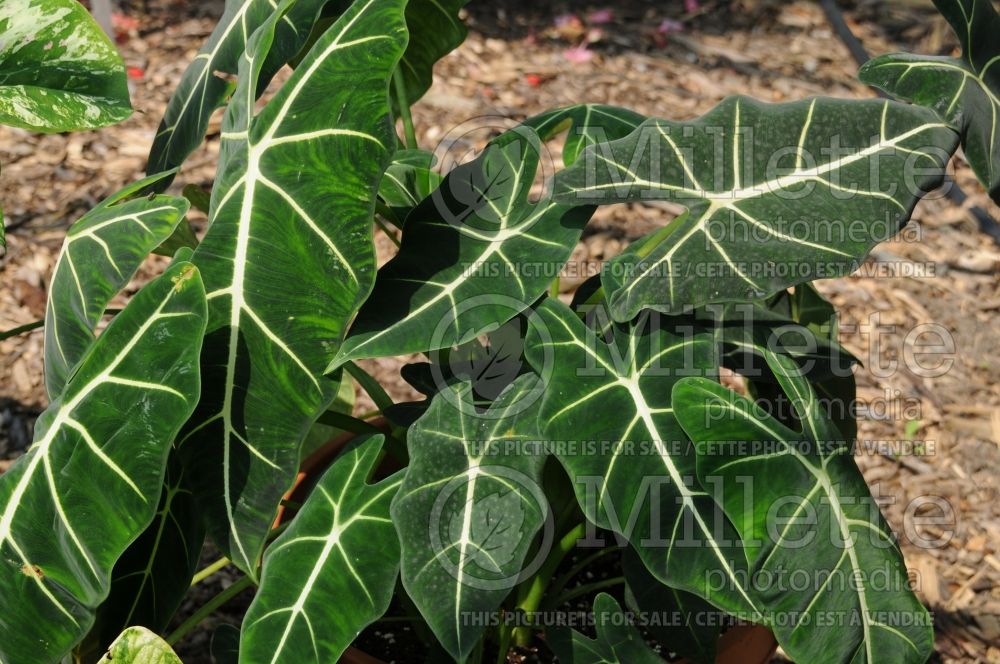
638	477
100	254
776	194
810	511
59	71
474	254
469	508
964	91
617	642
204	85
93	475
287	260
138	645
332	572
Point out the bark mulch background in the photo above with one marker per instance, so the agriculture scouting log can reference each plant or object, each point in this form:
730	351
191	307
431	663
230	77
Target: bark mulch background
524	57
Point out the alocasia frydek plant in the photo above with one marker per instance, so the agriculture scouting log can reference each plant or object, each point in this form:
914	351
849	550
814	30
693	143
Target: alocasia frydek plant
556	439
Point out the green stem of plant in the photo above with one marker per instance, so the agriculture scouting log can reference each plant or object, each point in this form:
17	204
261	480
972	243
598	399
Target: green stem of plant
588	588
21	329
531	598
404	110
388	231
369	385
560	583
208	608
554	288
208	571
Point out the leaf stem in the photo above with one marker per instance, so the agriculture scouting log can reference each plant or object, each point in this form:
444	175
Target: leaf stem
208	608
208	571
370	385
404	110
588	588
388	231
530	599
21	329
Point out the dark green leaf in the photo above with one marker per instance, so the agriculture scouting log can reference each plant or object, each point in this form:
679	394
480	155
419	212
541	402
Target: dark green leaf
101	253
435	30
608	414
206	84
94	472
469	508
474	254
408	180
776	194
964	91
585	124
58	70
809	511
284	274
332	572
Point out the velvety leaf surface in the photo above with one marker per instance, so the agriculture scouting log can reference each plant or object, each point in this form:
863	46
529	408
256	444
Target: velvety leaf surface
58	70
964	91
608	414
93	475
287	260
474	254
100	255
332	572
776	194
138	645
206	83
617	642
811	513
469	509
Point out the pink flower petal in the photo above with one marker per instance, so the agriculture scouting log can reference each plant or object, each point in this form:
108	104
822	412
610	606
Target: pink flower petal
578	54
669	25
601	16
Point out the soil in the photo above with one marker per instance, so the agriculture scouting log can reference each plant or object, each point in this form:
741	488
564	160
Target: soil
523	57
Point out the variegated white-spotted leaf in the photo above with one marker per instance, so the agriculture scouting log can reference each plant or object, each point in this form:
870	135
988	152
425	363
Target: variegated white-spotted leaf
777	194
287	260
91	481
469	508
58	70
101	253
804	511
205	85
607	407
332	572
138	645
964	91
